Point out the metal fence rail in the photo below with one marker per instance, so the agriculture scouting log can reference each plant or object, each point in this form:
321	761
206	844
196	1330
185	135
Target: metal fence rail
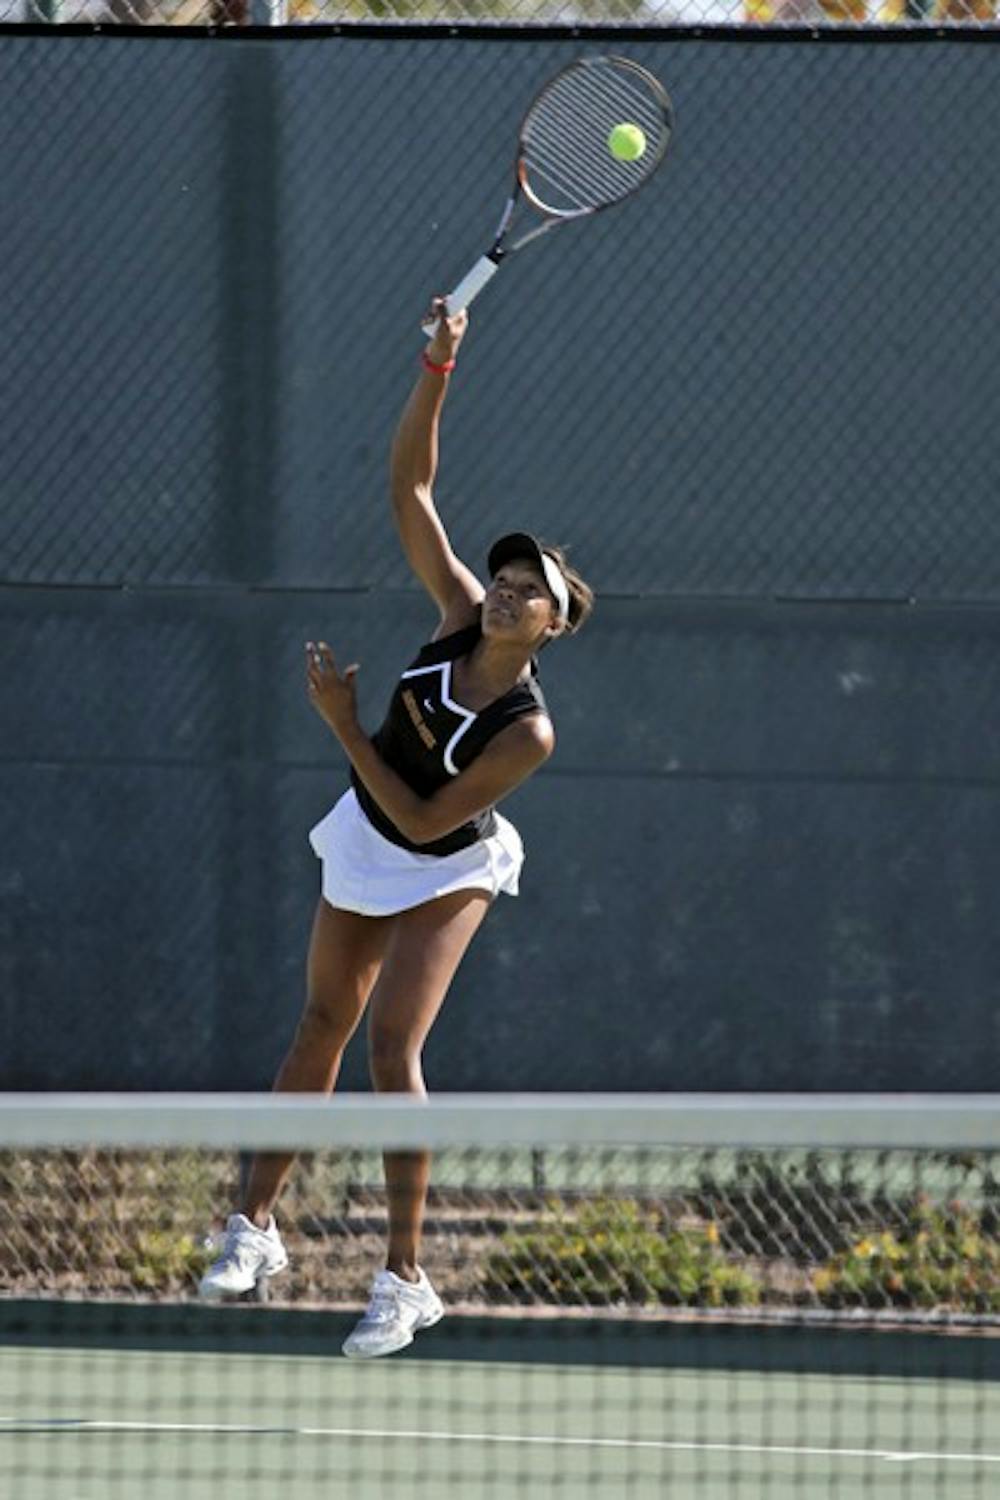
920	14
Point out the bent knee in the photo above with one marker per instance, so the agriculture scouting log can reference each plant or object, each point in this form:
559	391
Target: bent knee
324	1027
394	1060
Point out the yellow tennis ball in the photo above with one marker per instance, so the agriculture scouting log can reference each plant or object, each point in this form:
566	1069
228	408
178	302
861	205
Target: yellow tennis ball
627	142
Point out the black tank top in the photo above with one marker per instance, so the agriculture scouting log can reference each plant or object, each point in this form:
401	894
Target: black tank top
427	737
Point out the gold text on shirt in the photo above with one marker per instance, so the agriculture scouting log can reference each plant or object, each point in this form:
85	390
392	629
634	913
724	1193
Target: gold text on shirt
418	719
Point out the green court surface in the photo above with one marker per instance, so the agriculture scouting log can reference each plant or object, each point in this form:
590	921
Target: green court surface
662	1411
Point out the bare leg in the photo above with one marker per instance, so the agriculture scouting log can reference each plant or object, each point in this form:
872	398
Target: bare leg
425	949
345	956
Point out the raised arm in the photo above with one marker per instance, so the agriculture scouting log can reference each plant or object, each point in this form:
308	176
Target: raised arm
454	588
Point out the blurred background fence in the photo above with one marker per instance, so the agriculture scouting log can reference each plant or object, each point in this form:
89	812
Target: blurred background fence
508	13
760	404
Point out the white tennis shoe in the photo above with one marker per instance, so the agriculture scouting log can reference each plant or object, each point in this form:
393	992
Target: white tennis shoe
248	1255
397	1310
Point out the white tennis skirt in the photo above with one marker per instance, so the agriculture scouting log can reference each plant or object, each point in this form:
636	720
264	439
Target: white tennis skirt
367	873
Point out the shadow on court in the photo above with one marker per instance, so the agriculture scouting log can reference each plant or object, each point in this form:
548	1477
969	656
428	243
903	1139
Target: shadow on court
950	1352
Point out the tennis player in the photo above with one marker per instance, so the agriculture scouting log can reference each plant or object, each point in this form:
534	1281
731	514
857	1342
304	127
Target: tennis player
414	852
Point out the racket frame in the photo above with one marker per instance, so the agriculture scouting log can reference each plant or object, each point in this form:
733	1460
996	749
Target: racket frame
485	268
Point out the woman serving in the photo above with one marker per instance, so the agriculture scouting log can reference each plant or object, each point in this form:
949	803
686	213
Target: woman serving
415	851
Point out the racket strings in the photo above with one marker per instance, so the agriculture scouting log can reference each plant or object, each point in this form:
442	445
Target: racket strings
562	159
574	199
585	168
620	98
606	102
563	156
565	136
558	158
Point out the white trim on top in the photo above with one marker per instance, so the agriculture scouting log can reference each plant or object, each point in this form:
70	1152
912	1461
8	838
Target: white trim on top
314	1121
466	714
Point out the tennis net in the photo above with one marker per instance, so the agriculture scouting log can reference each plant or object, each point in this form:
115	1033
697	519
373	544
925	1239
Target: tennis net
684	1296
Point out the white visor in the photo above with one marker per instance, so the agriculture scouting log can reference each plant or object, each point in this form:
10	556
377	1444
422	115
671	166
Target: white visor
557	585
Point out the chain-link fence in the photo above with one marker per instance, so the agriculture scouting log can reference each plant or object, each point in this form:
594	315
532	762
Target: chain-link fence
889	1232
769	381
769	375
622	13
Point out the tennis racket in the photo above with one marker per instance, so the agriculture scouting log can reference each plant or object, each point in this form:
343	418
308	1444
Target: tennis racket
592	137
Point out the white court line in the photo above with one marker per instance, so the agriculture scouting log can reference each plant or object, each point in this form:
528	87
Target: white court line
378	1434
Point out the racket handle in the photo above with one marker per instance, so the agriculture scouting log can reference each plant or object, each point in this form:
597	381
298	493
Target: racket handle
469	287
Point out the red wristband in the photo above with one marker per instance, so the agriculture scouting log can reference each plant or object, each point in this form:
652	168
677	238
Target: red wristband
444	369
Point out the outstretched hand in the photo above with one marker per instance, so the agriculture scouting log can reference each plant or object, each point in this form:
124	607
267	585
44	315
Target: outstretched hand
448	333
331	692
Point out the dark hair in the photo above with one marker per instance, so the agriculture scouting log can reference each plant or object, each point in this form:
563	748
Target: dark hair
581	595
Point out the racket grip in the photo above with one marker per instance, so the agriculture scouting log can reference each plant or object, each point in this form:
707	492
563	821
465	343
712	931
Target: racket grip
469	287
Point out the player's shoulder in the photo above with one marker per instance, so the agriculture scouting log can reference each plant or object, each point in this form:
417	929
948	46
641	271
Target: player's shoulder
448	646
532	735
